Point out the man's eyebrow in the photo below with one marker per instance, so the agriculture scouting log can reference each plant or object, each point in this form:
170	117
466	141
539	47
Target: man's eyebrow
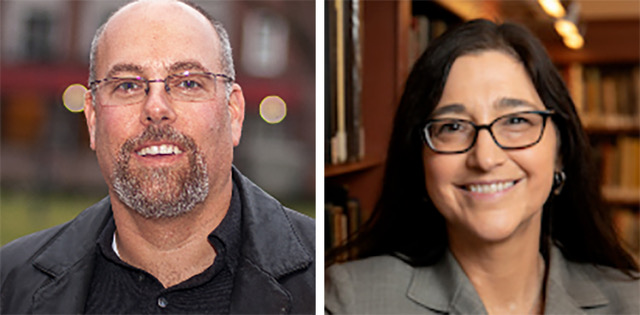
455	108
124	67
186	65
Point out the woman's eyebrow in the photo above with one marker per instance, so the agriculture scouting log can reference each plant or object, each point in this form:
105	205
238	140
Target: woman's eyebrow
509	102
502	103
454	108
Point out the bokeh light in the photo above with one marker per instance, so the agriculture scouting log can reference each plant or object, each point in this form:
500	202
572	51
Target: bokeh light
273	109
73	98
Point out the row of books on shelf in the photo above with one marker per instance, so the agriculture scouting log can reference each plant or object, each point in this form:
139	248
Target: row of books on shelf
342	216
619	162
605	91
344	132
422	31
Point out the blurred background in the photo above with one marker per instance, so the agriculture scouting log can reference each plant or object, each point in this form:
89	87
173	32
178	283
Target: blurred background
48	173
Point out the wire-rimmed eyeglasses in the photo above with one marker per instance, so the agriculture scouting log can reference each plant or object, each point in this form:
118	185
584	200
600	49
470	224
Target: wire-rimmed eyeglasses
186	86
512	131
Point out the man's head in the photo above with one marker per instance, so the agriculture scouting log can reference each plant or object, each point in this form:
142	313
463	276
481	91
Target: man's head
163	155
225	55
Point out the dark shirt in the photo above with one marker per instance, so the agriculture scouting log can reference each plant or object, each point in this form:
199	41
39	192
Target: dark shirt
117	287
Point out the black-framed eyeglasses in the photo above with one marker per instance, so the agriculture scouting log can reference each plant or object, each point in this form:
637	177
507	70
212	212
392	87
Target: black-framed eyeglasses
186	86
512	131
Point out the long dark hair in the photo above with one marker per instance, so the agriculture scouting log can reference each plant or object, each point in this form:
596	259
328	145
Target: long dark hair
405	222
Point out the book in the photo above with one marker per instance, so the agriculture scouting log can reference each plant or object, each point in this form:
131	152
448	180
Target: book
330	117
353	82
575	83
593	91
610	85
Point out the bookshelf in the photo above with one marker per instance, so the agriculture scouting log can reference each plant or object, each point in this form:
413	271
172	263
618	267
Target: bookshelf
381	49
603	78
386	28
389	47
607	98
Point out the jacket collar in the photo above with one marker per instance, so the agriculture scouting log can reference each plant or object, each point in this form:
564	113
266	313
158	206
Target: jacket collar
569	288
70	269
268	253
56	258
276	250
444	287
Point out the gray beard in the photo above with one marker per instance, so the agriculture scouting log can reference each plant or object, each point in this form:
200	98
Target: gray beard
162	192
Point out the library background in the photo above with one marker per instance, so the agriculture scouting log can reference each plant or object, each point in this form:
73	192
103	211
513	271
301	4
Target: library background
371	46
48	173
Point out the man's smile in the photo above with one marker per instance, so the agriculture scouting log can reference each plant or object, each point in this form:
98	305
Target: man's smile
163	149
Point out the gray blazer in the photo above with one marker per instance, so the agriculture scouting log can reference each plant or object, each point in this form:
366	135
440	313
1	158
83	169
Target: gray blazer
387	285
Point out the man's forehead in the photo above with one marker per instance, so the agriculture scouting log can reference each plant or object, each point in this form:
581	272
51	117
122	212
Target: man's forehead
152	66
144	9
157	35
146	14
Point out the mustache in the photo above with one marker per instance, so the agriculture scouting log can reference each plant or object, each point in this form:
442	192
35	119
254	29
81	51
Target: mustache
154	133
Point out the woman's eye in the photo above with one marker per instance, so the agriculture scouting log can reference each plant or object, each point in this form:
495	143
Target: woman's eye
517	120
451	127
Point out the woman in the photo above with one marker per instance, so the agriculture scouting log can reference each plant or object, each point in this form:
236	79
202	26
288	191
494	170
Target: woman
490	202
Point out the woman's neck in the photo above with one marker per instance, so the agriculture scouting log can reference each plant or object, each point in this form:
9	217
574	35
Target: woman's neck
508	276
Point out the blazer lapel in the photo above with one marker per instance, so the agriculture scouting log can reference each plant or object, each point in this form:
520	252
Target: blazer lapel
445	288
570	289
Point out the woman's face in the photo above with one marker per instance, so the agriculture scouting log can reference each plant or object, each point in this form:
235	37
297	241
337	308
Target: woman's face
490	193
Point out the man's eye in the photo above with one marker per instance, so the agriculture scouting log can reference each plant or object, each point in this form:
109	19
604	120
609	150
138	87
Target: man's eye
188	84
127	86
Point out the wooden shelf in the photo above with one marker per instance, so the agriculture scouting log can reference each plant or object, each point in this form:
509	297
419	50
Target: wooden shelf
611	123
468	10
606	41
347	168
623	196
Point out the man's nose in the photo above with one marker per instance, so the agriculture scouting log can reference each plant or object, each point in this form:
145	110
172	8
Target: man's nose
157	107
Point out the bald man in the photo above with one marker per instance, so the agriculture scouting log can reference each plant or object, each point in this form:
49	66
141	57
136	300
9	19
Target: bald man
182	230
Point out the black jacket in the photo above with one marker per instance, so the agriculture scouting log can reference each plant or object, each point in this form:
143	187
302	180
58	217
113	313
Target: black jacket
50	271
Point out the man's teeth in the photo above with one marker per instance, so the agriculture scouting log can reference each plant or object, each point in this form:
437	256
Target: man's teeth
159	149
492	188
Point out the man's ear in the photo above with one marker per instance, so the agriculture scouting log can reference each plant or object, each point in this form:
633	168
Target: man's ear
236	112
90	115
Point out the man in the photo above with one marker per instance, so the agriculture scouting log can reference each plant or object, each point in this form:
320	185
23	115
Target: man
181	230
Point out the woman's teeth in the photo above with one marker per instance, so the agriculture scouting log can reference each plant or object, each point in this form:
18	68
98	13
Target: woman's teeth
490	188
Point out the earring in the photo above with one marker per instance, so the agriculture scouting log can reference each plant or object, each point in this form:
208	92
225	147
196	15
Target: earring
558	182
